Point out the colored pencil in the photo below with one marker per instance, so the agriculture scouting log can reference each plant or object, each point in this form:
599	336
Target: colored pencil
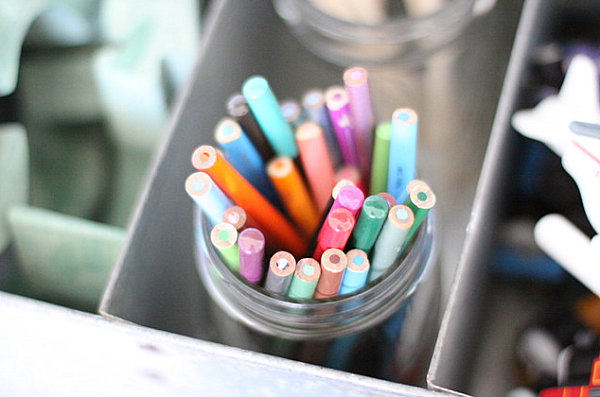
236	216
333	265
335	231
389	198
238	108
403	141
356	82
305	279
420	200
251	244
391	240
208	196
282	266
372	217
351	198
276	227
316	162
265	107
357	271
224	237
294	194
381	158
338	105
242	154
292	113
352	173
313	102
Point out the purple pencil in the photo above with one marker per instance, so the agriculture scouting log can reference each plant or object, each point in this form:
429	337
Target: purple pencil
251	243
337	102
362	116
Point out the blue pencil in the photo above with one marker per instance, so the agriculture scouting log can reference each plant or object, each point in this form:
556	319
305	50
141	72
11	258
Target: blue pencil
265	108
244	156
403	152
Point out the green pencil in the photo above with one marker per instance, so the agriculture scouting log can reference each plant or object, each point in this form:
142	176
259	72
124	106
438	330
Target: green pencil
224	238
381	156
420	200
372	217
305	279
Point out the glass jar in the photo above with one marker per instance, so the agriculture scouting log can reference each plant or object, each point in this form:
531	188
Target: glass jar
409	36
329	332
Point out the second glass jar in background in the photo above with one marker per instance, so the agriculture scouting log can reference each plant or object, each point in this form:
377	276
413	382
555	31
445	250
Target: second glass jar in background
375	38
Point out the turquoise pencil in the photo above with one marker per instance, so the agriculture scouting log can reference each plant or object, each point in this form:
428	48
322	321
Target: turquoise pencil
265	107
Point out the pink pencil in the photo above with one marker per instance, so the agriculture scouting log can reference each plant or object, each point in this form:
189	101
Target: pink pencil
335	231
351	173
316	162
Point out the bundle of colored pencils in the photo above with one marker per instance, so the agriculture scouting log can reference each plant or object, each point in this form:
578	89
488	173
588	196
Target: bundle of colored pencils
285	193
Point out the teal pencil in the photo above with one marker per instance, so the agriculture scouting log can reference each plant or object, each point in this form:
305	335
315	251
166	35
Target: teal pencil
265	108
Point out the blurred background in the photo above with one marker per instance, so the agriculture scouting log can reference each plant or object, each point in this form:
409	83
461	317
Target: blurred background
86	90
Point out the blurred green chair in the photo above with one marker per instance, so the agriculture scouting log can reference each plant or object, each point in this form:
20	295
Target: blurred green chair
14	175
63	258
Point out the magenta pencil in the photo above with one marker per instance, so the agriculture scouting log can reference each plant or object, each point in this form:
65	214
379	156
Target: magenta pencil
338	105
356	82
251	243
351	198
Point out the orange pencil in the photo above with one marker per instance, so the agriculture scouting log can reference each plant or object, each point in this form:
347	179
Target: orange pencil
272	223
316	162
293	193
333	265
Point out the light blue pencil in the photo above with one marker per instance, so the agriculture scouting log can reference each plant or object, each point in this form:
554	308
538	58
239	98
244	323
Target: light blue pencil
292	113
403	152
355	276
265	107
208	196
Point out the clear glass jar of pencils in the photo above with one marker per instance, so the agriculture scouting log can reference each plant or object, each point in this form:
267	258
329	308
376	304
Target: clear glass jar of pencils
314	239
394	321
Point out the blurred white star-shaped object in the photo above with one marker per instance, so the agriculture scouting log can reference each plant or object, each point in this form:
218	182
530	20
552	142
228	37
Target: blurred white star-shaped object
577	100
569	124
